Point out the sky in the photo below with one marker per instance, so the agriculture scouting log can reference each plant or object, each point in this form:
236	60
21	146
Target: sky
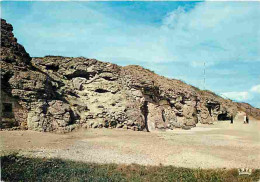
173	39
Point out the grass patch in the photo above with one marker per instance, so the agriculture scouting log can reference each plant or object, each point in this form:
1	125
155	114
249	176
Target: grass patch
19	168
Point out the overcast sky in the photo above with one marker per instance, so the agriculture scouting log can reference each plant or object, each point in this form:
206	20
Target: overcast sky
174	39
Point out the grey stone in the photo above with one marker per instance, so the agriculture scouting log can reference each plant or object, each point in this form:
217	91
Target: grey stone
58	92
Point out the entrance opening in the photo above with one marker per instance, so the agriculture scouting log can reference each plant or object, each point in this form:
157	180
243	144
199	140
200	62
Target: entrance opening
223	117
145	112
209	106
5	80
7	107
7	110
163	116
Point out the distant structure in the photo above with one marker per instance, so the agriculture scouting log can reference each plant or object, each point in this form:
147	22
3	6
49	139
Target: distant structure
204	82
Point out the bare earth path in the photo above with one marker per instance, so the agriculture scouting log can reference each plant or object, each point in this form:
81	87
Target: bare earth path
221	145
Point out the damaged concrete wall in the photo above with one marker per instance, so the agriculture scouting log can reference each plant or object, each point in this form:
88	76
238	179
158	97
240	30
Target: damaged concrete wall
12	113
63	93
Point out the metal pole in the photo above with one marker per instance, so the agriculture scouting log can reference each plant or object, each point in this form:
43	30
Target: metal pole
204	75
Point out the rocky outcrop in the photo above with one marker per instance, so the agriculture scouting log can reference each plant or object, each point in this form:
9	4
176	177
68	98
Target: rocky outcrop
29	92
63	93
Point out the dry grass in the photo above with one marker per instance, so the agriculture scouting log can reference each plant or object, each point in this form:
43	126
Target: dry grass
19	168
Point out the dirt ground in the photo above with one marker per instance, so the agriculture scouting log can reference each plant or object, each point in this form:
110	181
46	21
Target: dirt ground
222	145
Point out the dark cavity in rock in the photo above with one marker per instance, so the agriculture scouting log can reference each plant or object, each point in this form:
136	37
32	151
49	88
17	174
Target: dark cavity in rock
78	73
99	90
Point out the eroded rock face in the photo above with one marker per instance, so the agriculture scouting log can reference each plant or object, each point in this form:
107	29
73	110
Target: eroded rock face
28	91
106	95
63	93
94	91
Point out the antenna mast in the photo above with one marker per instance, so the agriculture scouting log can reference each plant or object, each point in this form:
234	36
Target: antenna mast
204	76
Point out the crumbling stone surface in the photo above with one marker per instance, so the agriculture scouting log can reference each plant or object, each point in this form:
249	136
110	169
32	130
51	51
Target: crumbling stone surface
14	53
64	93
30	91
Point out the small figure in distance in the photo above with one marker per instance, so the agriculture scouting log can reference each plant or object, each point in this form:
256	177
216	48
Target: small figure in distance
245	118
231	119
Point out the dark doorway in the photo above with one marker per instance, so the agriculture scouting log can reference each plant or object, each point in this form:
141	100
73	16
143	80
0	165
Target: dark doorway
223	117
7	107
145	112
7	110
209	108
163	116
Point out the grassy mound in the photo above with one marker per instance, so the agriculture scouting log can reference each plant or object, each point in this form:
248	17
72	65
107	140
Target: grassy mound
19	168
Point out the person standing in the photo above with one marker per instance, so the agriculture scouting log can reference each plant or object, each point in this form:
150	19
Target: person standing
231	122
245	118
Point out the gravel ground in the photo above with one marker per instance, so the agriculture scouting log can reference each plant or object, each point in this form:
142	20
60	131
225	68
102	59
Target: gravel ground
221	145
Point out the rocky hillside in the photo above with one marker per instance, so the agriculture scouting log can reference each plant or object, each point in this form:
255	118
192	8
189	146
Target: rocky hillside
247	108
56	93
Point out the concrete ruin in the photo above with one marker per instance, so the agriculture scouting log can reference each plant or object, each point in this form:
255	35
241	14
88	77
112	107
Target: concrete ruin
12	113
56	93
